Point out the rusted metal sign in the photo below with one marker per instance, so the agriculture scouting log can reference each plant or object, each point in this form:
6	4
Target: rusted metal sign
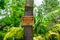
28	20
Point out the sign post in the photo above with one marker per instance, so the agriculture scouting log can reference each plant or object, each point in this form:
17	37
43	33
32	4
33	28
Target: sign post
27	20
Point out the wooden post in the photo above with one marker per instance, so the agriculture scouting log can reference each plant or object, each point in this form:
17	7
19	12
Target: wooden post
28	21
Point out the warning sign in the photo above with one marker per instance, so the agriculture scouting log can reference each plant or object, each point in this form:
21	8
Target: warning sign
28	20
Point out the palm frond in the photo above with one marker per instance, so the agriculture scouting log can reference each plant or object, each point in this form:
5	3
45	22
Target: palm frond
49	18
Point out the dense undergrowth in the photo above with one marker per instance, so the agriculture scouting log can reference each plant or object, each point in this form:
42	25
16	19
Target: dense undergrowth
46	25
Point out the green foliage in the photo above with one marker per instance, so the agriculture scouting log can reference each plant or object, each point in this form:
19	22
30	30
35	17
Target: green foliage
56	28
17	12
38	38
14	12
50	17
52	36
46	15
53	33
42	23
15	32
2	4
2	34
38	26
49	5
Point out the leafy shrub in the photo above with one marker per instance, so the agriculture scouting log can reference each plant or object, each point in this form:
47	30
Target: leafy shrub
2	34
14	32
53	36
38	38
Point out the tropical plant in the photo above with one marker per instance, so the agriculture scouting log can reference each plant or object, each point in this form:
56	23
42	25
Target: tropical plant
49	5
38	38
2	34
45	27
14	32
46	21
52	34
2	4
14	10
